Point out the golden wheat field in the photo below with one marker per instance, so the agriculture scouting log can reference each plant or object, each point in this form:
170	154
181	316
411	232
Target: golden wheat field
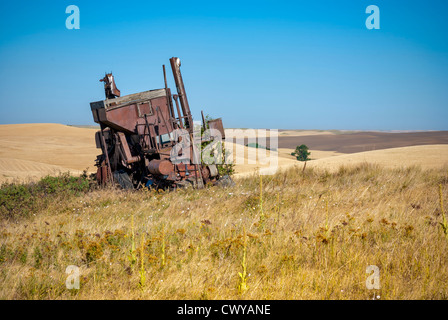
29	152
303	233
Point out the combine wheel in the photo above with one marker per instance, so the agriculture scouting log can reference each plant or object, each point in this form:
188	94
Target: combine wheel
122	178
225	181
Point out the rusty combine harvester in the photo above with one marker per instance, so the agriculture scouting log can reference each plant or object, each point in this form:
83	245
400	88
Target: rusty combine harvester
140	133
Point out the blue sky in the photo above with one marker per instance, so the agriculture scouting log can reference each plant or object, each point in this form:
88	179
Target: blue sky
256	64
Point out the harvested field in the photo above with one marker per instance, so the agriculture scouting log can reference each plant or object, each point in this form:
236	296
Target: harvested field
31	151
364	141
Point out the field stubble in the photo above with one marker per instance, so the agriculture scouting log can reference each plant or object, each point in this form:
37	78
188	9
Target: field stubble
295	235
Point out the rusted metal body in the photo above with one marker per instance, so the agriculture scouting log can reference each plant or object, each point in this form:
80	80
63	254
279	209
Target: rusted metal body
216	124
140	135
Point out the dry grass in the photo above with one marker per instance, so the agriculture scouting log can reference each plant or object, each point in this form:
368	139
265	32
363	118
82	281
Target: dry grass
426	157
320	231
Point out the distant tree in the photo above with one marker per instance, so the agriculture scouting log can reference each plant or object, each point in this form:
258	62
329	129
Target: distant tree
301	153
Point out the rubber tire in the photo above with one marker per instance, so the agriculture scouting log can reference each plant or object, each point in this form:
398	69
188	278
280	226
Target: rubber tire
225	181
123	179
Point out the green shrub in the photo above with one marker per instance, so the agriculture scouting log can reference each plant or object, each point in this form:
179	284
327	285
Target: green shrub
16	199
19	200
64	183
301	153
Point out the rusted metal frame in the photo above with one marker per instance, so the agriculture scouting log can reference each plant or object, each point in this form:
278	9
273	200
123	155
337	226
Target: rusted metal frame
196	166
182	127
133	99
163	118
109	169
125	150
175	67
170	102
120	152
171	107
155	140
104	149
187	117
198	172
159	114
203	121
178	111
166	151
164	77
180	121
143	143
149	135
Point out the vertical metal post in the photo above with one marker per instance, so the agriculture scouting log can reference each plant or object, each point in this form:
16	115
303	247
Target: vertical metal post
104	148
203	121
175	66
178	112
164	77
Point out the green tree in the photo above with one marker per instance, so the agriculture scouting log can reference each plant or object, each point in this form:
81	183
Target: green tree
301	153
